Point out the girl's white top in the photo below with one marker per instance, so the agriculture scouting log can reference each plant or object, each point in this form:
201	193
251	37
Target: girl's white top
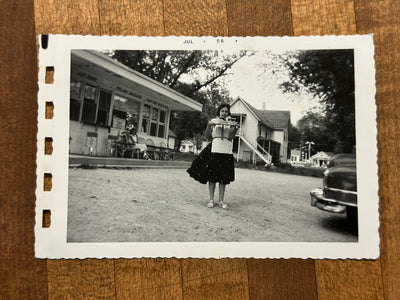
221	142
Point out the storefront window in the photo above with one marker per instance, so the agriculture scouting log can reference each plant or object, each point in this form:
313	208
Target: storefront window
161	125
89	105
125	110
75	100
104	108
154	119
146	117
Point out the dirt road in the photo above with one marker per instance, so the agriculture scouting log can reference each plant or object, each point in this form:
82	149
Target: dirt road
166	205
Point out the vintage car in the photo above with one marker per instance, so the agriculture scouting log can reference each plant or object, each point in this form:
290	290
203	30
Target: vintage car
339	192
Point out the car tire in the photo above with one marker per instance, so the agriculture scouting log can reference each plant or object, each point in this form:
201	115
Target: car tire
352	215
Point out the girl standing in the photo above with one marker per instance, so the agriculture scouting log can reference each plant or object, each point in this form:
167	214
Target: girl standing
216	163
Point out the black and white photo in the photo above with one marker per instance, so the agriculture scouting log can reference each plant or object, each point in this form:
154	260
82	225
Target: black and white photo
222	147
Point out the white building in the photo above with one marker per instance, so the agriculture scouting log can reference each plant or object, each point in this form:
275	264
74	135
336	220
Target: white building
107	96
263	134
321	159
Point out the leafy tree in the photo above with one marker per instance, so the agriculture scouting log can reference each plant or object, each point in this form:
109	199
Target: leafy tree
172	67
329	75
295	138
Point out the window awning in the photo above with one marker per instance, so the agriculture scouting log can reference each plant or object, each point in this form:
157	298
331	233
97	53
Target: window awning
106	69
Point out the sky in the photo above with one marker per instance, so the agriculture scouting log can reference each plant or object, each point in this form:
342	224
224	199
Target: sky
247	79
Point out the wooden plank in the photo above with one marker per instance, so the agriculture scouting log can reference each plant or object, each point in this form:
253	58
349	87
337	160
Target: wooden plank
74	278
259	17
67	17
141	278
148	279
349	279
195	18
215	279
282	279
22	276
136	17
319	17
271	278
336	17
382	19
205	279
81	279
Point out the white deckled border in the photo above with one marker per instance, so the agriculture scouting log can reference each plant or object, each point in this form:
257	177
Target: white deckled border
52	242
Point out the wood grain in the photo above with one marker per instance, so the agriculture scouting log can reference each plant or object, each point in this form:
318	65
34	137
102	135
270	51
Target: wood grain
67	17
319	17
81	279
282	279
195	18
259	17
138	17
337	17
215	279
382	19
271	279
148	279
349	279
74	278
22	276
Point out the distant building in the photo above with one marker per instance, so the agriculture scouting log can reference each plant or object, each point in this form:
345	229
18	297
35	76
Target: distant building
263	134
295	155
187	146
321	158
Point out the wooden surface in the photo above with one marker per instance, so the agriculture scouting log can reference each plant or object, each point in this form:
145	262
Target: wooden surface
24	277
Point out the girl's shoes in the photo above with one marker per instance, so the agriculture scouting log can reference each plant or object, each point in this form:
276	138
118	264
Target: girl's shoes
210	204
223	205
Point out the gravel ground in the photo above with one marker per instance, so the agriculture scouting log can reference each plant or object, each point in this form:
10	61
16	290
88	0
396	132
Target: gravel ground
166	205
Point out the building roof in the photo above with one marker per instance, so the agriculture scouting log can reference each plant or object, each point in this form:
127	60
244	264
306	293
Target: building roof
322	154
276	119
260	115
171	133
94	63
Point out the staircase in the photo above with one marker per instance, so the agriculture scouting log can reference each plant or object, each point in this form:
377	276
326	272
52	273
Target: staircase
265	156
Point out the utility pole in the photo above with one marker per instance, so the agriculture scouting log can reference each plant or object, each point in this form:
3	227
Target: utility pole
309	148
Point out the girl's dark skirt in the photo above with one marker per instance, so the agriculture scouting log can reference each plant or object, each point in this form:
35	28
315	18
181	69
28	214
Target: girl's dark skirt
212	167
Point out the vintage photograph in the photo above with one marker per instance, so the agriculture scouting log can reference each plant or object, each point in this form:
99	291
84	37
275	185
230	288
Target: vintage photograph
212	145
253	147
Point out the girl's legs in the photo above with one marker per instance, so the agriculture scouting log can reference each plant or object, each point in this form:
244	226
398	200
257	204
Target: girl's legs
211	191
221	196
221	192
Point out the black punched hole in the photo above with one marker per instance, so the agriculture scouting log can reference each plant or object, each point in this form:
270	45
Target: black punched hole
45	41
46	218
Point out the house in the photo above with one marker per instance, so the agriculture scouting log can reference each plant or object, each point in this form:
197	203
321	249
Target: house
191	145
295	156
187	146
321	158
263	134
107	98
171	139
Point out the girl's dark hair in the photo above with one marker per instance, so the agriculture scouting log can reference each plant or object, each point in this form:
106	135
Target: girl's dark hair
221	106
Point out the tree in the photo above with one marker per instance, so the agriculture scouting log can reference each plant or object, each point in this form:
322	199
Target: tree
312	127
295	138
173	68
329	75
